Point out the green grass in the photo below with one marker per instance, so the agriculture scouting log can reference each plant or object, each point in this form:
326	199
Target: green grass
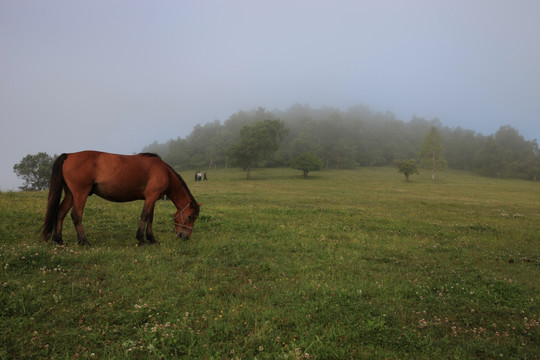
341	265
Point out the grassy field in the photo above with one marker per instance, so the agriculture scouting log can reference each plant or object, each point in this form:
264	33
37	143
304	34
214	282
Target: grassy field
341	265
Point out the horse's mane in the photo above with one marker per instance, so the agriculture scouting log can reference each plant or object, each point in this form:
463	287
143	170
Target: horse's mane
193	201
149	154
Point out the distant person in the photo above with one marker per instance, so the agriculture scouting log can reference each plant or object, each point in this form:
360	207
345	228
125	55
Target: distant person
199	176
196	176
205	177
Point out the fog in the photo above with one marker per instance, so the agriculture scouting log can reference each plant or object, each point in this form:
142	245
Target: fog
118	75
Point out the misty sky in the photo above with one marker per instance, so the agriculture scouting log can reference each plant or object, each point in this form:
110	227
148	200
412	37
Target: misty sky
117	75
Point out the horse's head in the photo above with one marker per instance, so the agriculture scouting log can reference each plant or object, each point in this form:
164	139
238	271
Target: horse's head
184	220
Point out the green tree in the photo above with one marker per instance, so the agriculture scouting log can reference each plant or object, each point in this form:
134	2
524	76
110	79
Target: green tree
461	148
431	152
531	162
257	142
307	162
515	150
35	170
492	157
344	154
407	168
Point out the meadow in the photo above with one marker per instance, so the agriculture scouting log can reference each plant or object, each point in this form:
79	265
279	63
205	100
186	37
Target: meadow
346	264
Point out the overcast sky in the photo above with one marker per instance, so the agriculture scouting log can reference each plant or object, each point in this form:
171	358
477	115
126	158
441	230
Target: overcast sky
117	75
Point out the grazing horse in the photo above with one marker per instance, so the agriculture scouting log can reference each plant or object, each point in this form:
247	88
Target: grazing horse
118	178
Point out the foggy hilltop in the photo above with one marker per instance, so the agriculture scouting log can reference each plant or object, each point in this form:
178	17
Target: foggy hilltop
356	137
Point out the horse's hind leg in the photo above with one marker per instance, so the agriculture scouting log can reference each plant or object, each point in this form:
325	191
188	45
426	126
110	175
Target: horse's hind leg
79	200
63	209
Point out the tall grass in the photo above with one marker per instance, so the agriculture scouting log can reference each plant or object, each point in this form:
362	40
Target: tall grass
343	264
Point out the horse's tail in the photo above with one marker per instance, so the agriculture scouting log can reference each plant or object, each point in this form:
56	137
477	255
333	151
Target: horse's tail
55	193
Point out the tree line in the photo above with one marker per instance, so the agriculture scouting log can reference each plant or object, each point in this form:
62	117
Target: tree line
308	139
352	138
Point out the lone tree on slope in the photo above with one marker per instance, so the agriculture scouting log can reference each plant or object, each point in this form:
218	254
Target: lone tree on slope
307	162
407	168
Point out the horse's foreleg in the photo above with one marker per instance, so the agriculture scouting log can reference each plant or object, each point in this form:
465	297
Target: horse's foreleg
147	216
65	205
76	215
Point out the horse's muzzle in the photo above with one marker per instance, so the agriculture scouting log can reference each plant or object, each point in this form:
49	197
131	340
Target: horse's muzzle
181	235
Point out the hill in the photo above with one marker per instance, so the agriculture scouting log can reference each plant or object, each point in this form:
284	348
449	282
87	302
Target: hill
356	137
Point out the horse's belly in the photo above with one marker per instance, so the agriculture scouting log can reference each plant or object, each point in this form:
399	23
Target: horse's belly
117	193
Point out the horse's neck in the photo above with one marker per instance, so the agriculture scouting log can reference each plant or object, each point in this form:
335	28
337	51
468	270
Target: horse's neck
177	191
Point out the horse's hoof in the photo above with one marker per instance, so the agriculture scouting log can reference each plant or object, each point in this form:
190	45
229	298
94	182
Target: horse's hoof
58	240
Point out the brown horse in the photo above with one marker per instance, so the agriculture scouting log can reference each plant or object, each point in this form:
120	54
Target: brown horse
118	178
